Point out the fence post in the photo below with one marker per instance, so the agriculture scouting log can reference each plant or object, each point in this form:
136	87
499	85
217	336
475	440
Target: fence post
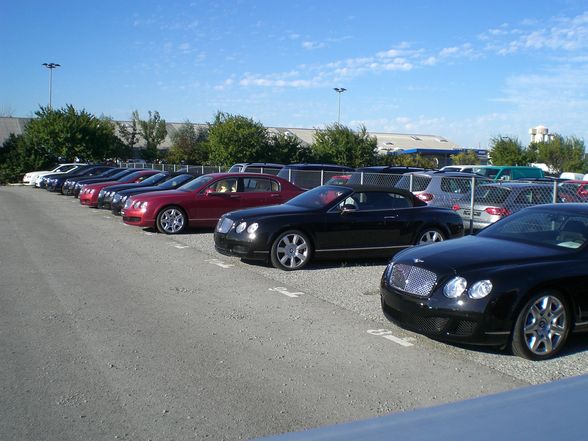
322	177
410	183
289	175
555	188
361	178
472	198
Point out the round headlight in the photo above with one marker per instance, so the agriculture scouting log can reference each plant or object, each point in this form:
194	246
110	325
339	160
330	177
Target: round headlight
253	228
455	287
480	289
241	227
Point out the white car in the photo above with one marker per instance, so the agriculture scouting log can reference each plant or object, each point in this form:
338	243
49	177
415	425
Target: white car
31	177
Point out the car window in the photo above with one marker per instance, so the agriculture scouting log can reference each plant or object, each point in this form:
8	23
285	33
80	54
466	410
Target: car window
375	200
525	196
419	182
228	185
456	185
259	185
491	195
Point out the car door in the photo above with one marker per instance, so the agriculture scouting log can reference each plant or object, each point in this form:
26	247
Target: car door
363	221
219	197
259	191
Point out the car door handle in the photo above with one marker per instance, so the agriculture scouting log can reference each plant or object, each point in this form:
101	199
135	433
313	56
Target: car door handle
234	196
394	216
274	196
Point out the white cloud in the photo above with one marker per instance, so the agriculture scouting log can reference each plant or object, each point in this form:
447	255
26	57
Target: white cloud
311	45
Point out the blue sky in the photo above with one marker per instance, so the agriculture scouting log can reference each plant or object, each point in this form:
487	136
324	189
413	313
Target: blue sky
466	70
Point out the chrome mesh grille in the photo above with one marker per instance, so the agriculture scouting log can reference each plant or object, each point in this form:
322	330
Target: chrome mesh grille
224	225
413	280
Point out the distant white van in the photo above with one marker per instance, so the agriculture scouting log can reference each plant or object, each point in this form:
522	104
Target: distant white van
573	176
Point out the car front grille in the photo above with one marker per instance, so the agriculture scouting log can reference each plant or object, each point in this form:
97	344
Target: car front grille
413	279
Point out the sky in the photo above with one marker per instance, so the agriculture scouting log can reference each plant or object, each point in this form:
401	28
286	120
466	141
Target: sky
469	71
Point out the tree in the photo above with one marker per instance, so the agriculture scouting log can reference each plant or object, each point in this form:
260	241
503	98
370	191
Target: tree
341	145
235	138
407	160
69	134
129	133
507	151
12	160
153	130
467	157
562	154
284	148
189	145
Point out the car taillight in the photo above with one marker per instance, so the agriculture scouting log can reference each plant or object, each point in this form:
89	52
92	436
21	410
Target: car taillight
497	211
456	207
425	197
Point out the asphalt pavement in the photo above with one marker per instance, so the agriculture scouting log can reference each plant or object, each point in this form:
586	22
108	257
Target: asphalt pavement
115	332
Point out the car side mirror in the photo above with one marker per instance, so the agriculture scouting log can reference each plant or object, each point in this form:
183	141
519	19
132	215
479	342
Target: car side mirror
348	208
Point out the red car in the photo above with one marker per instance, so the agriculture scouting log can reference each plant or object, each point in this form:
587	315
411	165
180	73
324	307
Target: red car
89	195
201	202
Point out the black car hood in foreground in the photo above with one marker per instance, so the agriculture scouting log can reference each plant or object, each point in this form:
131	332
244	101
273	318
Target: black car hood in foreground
477	252
270	210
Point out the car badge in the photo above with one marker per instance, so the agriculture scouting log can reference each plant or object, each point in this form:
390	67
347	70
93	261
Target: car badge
418	261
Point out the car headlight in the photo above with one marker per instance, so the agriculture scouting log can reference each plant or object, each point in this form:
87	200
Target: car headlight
101	194
124	199
91	190
141	205
241	227
455	287
480	289
252	228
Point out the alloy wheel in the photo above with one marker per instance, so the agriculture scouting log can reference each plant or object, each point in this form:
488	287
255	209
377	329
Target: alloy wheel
291	251
171	221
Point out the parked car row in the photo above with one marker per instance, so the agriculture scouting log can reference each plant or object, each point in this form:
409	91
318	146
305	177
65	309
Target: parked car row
520	283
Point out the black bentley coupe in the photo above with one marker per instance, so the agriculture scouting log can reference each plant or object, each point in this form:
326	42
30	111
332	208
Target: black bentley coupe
520	283
334	221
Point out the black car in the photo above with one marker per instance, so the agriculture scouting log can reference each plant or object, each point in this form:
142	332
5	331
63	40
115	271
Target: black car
174	181
54	183
121	173
312	175
521	283
106	195
70	183
334	221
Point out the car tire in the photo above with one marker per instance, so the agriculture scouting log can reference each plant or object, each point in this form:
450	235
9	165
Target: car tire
171	220
291	251
542	326
429	235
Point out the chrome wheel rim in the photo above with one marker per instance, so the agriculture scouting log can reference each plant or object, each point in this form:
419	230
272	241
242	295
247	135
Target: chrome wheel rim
292	250
430	237
172	220
545	325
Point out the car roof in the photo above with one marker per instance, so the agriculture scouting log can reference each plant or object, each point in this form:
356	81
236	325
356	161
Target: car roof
569	207
305	166
454	174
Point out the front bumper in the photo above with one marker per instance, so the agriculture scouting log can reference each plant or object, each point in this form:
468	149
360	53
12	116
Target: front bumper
229	245
441	318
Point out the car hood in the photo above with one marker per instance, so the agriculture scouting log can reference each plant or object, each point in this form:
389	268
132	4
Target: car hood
269	211
473	252
138	190
163	195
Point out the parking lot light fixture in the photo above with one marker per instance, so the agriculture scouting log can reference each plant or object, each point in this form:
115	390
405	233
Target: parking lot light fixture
51	66
339	91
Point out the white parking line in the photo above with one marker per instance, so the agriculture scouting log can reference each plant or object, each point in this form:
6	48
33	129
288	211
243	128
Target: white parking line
388	335
219	263
283	290
146	233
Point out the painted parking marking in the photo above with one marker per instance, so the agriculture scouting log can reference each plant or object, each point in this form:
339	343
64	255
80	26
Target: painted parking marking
219	263
146	233
283	290
177	245
388	335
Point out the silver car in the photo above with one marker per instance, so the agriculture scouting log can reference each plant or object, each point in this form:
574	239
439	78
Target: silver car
495	201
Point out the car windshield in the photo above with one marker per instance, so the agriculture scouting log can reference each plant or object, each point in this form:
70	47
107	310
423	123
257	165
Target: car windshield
176	180
562	229
196	183
154	179
133	176
318	197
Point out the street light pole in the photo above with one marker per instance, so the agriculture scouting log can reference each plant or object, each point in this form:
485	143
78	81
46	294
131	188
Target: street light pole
339	91
51	66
